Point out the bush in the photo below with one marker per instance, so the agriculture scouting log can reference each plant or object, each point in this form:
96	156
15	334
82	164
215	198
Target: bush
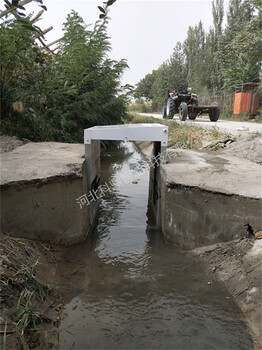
258	116
140	107
54	97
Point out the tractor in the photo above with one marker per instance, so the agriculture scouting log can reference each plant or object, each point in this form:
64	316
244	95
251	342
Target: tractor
185	104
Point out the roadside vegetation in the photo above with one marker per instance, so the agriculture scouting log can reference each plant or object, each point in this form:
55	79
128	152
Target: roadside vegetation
183	136
212	63
228	115
47	96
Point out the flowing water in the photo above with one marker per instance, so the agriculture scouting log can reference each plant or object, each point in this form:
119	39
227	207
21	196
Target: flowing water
125	288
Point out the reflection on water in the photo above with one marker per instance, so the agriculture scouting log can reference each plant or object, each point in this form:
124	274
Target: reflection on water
125	288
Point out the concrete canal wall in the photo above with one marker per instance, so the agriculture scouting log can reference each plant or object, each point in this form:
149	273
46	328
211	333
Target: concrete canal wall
208	198
40	184
205	197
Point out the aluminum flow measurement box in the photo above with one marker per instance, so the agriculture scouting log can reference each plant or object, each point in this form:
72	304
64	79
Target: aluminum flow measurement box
156	133
128	132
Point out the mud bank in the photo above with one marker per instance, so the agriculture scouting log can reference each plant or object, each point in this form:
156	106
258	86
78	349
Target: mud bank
238	265
40	184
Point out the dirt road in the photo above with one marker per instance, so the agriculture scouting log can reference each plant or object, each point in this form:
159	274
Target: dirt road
231	127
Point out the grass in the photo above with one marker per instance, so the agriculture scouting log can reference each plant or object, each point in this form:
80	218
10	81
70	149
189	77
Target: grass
22	294
183	135
241	118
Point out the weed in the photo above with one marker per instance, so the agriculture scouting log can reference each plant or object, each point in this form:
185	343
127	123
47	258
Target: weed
4	338
183	135
140	108
25	313
258	117
22	293
246	117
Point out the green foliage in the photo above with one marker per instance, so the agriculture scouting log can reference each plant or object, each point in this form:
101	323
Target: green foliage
182	135
17	10
104	9
242	40
221	59
195	51
25	314
240	71
145	86
140	106
259	116
54	97
170	75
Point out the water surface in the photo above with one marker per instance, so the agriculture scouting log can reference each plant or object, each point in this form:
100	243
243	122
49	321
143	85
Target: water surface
125	288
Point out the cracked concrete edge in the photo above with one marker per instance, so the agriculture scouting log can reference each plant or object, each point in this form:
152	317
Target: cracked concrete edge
173	185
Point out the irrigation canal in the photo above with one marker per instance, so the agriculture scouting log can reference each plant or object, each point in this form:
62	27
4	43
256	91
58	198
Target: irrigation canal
125	288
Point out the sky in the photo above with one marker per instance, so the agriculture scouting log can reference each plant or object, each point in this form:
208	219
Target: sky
144	32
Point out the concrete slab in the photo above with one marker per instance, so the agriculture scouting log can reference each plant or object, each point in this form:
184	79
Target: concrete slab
214	172
208	198
41	161
40	183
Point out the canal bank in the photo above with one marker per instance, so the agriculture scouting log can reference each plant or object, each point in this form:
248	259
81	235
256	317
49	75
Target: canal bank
40	184
253	294
126	288
206	203
238	265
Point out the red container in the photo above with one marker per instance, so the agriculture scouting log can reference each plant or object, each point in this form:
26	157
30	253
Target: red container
246	102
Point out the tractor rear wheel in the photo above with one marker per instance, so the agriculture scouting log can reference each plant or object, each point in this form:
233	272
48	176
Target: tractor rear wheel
215	112
170	108
183	110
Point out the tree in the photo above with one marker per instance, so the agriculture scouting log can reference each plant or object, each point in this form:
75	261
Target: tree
242	40
221	59
177	69
145	86
93	80
171	76
195	52
213	48
22	68
218	16
54	97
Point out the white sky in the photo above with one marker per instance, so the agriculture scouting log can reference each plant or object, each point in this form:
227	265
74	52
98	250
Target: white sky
142	31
